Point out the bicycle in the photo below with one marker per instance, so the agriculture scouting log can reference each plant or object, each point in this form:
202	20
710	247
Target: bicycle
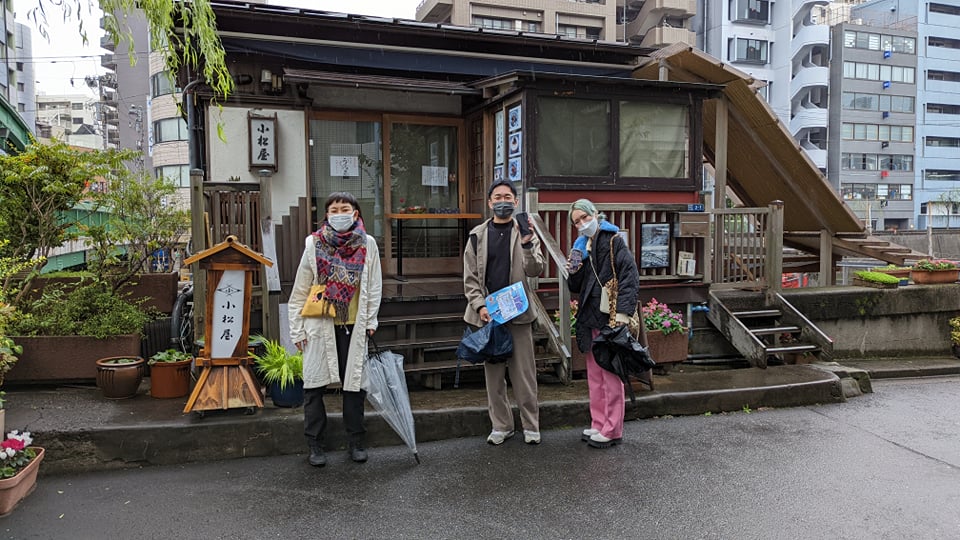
181	321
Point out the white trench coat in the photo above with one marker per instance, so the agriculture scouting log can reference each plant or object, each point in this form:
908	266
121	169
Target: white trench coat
320	366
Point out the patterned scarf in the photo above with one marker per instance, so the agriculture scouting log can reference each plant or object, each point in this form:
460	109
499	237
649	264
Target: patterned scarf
340	260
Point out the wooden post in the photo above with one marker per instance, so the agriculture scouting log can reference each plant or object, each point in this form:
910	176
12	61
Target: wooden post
827	277
775	249
198	234
720	182
269	275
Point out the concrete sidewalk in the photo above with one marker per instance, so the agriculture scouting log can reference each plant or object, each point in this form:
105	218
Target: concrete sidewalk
82	431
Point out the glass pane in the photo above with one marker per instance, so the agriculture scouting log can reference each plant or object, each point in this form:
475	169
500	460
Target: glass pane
347	156
654	140
573	137
423	179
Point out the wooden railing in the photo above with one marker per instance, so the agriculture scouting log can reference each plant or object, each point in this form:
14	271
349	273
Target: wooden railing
748	248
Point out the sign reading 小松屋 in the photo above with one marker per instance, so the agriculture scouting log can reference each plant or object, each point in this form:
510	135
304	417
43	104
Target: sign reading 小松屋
263	142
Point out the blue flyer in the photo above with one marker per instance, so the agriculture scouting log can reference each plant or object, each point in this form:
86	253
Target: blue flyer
507	303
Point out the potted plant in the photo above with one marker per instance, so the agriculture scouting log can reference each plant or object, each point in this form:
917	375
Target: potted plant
19	463
955	336
119	377
931	271
877	280
170	374
666	336
282	372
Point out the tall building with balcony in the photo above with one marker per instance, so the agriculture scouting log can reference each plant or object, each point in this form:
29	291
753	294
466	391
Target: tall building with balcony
872	122
784	45
14	132
649	23
144	100
936	144
26	82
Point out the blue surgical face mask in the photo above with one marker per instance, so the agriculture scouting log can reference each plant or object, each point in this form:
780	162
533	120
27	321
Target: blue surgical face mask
503	210
341	222
588	228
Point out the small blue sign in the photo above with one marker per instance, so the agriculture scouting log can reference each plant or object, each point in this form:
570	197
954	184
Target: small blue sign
886	84
887	54
694	208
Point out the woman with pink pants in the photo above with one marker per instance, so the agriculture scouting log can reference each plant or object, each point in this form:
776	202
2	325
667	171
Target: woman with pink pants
589	268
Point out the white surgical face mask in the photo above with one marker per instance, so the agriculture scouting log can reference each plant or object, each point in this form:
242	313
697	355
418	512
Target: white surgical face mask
588	228
341	222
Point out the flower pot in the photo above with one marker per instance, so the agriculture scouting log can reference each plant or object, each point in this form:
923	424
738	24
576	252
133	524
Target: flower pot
667	350
120	381
13	490
291	396
929	277
170	379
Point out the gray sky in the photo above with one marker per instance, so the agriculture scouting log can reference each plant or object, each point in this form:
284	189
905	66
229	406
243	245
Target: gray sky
65	58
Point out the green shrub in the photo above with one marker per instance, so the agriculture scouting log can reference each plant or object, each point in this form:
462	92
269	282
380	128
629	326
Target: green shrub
91	309
876	277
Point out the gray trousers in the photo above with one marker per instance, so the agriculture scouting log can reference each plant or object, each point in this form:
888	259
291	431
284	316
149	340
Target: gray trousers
522	368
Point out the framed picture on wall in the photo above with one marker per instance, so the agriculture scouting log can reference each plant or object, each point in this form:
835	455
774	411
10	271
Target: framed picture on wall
513	118
655	245
498	173
516	144
513	170
500	130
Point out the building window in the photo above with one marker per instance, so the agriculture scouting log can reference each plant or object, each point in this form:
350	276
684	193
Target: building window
948	76
76	106
943	8
876	132
585	32
872	192
20	87
615	141
946	43
77	121
178	174
160	85
21	107
170	129
943	108
874	162
750	11
853	39
941	174
943	142
753	51
878	72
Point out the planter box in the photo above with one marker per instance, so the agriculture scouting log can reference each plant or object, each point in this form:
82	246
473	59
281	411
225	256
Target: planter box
55	359
13	490
667	350
928	277
874	284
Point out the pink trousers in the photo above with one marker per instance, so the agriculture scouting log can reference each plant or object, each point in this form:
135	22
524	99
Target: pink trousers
607	402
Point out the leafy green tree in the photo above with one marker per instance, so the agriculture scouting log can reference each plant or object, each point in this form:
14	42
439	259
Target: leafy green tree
184	31
38	189
144	219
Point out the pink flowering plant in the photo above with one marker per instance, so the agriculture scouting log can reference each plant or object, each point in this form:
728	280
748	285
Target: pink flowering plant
658	316
15	453
931	265
573	317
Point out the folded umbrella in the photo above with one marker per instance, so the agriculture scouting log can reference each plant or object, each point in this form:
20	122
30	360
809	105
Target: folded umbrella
617	351
386	386
490	343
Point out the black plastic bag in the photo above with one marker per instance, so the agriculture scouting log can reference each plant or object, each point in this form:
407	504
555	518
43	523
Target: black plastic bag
490	343
617	351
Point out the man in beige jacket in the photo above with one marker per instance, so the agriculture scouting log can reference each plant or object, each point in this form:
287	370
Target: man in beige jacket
497	256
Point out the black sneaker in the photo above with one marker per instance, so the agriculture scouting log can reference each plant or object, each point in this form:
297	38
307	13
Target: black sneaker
357	453
317	459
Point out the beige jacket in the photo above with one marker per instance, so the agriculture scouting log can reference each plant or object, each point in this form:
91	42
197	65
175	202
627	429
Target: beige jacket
531	264
320	366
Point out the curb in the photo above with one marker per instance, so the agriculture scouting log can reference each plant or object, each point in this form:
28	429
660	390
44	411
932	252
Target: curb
231	434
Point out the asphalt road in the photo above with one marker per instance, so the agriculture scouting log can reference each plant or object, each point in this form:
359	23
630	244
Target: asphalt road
886	465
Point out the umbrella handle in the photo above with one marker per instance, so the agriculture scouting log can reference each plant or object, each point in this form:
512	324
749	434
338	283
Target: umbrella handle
376	348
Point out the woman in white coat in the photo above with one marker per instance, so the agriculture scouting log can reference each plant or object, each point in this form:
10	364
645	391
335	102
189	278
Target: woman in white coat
345	258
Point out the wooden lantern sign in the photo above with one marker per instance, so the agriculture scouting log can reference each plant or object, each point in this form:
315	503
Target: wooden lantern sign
226	380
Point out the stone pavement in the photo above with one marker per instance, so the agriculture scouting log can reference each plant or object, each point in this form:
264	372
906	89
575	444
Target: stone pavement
82	431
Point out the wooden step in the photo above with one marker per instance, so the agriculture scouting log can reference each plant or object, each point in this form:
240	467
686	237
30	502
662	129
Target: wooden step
426	344
760	313
774	330
792	349
421	319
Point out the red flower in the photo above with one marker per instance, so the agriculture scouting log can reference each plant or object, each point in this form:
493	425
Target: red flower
13	444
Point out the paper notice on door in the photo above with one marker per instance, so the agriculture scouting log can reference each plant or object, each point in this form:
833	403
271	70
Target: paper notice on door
434	176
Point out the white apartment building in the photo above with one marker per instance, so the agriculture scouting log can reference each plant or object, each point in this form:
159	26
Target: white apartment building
70	118
780	43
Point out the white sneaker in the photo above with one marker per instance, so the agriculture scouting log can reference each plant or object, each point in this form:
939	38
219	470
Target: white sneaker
599	441
587	433
497	438
531	437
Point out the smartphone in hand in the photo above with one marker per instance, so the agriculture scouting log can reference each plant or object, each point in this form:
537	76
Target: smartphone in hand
523	221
